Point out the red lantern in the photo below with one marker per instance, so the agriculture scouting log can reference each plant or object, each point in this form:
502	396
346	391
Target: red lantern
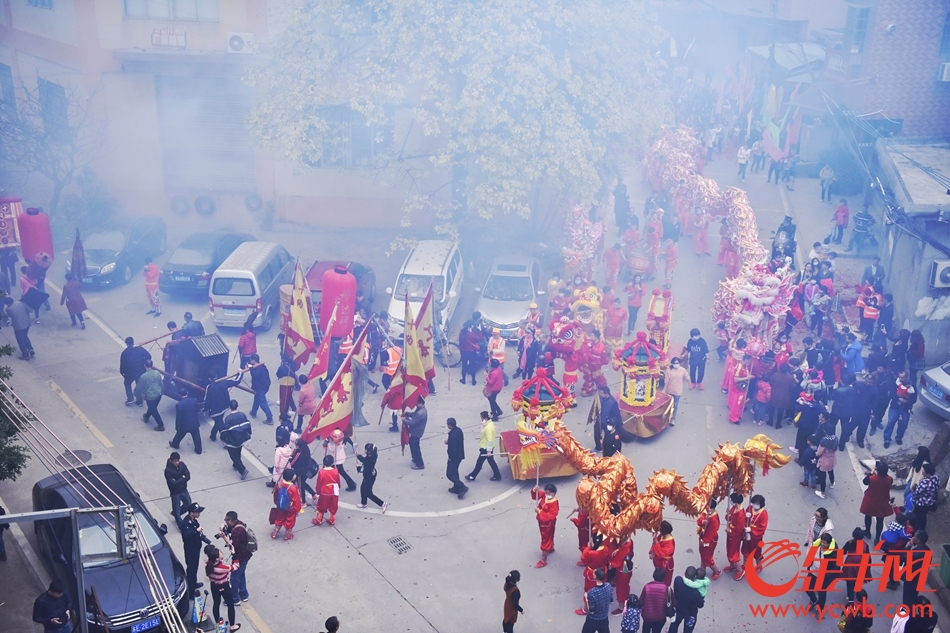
339	287
35	234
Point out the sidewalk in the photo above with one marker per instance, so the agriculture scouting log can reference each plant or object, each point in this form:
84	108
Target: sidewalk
19	584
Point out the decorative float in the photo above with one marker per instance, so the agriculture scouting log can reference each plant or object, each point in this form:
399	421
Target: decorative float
645	409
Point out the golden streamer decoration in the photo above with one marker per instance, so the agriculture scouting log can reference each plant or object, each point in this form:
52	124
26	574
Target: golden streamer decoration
610	483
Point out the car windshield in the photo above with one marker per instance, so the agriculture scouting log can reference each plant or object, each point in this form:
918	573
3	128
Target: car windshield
97	539
112	241
504	288
233	287
190	256
416	286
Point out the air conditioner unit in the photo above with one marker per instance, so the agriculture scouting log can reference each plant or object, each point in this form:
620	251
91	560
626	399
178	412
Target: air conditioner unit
944	74
240	43
940	274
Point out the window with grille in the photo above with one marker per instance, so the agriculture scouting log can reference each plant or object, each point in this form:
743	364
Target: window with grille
54	108
857	28
185	10
349	143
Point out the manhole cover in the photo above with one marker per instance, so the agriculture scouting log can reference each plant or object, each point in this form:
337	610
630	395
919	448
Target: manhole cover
399	544
73	458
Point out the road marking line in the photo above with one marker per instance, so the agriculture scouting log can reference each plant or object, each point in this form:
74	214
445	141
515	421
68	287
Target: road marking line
109	378
95	319
440	513
32	559
256	462
255	619
79	414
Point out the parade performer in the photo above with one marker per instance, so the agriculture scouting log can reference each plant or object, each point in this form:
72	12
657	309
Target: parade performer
701	231
708	529
662	549
672	254
286	506
546	512
739	389
596	359
151	287
736	354
612	261
621	563
756	522
653	244
582	521
725	244
595	557
735	530
615	319
328	491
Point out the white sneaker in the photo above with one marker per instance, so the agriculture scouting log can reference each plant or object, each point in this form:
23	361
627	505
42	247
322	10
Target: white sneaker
832	485
820	494
385	505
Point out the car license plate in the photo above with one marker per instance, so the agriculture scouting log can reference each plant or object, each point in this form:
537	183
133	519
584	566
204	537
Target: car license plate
935	391
234	311
148	625
179	278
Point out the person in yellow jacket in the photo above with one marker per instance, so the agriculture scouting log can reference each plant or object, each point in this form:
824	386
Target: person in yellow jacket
486	449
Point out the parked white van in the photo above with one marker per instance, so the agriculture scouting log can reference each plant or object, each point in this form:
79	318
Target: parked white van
249	280
438	262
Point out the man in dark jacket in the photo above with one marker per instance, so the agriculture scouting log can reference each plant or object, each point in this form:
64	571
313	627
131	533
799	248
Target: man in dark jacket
260	384
19	314
192	327
456	450
132	366
217	399
903	398
914	565
177	477
186	421
808	411
865	394
236	431
884	380
842	407
235	532
192	536
688	602
784	392
416	422
51	608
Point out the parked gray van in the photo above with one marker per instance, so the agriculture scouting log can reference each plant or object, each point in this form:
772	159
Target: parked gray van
249	280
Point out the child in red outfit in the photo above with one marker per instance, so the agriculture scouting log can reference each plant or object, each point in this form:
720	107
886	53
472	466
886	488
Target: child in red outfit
286	518
328	491
546	511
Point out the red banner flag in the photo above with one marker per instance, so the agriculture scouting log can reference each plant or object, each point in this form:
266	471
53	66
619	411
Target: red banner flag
425	335
321	364
416	383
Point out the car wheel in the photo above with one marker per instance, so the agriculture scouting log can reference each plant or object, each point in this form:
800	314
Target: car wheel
126	274
268	321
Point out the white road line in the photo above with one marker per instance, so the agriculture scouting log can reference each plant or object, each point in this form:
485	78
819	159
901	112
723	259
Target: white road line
255	462
440	513
95	319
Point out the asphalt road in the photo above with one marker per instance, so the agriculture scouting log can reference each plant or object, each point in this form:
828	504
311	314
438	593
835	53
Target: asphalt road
451	578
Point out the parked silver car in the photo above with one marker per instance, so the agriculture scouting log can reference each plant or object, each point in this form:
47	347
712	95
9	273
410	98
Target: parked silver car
935	389
513	284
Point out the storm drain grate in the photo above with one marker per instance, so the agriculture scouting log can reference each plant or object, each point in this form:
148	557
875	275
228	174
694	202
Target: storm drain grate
399	544
73	459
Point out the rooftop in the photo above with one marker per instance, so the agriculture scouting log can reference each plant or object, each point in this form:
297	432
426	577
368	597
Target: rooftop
910	160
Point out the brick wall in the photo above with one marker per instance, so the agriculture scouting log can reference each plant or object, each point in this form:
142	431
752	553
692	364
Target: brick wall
905	66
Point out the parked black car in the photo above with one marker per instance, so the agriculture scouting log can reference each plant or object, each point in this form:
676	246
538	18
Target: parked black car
114	257
190	266
121	585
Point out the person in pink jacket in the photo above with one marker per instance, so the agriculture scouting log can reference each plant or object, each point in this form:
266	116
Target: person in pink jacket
306	402
494	382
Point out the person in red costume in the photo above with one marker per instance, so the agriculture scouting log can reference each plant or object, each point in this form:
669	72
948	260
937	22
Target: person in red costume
708	529
546	512
287	518
582	521
621	562
756	522
735	530
151	287
612	261
725	243
597	358
661	552
701	231
328	491
672	254
595	556
653	244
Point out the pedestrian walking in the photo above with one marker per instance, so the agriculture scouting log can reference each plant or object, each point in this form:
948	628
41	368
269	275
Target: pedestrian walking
825	548
528	348
698	354
819	524
286	381
27	283
630	622
283	452
742	156
925	495
72	298
876	503
235	533
635	291
149	388
192	536
19	314
367	466
497	347
301	462
654	598
177	477
827	176
328	491
287	504
675	380
151	273
191	328
597	605
840	219
415	422
336	446
219	571
132	366
217	400
546	513
494	382
486	449
707	526
512	606
456	452
260	385
52	609
247	345
903	398
236	431
8	260
306	401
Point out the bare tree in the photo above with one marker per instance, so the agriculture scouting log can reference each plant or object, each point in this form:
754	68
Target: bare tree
49	131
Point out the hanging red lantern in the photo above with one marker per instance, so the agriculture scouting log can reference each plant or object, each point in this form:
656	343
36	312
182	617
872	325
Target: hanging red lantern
35	234
339	288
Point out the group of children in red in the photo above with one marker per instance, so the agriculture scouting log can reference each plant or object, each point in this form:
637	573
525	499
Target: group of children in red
287	504
745	531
